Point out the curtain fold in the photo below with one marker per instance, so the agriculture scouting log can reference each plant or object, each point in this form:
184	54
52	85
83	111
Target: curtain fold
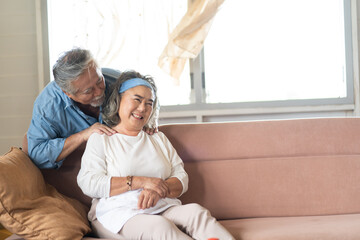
187	39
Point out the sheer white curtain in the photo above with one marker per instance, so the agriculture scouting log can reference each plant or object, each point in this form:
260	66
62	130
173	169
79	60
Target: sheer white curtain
187	39
132	34
123	34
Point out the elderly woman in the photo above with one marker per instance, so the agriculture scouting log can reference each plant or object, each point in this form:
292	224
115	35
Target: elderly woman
135	178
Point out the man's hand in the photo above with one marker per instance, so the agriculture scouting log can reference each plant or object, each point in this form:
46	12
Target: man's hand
150	131
97	128
148	199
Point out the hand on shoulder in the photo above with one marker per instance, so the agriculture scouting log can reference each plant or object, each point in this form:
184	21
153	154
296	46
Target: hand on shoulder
97	128
151	131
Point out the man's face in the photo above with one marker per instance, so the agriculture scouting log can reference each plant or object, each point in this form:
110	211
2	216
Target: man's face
89	88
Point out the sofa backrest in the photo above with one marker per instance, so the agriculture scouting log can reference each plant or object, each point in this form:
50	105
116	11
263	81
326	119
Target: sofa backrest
271	168
64	179
260	168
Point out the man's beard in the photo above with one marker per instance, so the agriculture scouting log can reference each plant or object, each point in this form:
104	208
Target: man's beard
98	101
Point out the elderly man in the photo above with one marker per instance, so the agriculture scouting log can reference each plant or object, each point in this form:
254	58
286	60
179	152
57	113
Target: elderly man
67	111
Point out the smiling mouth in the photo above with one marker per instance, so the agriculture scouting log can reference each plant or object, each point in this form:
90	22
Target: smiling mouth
137	116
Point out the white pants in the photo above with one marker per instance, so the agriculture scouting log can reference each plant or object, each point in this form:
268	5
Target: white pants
190	221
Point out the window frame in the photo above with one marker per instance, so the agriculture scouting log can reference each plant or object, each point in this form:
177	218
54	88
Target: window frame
201	109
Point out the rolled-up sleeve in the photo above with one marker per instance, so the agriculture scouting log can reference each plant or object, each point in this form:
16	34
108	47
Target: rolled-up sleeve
55	117
44	146
177	165
93	178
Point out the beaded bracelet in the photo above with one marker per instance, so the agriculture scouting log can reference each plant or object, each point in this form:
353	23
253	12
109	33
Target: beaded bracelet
129	182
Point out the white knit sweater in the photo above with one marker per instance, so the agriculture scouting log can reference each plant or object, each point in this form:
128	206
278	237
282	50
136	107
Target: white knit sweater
121	155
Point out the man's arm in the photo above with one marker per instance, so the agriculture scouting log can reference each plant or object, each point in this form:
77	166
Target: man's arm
47	150
75	140
44	145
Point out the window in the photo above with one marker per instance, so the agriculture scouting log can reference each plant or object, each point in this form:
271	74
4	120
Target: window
258	54
276	50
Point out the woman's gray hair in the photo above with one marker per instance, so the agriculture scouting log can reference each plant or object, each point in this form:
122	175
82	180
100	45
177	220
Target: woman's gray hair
110	113
70	66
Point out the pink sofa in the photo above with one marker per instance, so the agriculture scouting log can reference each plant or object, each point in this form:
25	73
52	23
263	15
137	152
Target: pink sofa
268	180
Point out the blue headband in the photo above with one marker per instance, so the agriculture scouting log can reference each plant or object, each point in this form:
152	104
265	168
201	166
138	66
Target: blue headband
133	82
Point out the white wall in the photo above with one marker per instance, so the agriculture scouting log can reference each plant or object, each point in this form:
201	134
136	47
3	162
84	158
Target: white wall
18	69
21	61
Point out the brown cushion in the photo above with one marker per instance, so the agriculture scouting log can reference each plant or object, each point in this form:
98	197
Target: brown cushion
34	209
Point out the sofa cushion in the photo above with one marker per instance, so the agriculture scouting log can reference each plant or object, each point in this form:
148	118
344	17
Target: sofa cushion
275	187
34	209
331	227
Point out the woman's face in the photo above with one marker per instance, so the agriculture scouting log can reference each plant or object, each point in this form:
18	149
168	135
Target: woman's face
136	106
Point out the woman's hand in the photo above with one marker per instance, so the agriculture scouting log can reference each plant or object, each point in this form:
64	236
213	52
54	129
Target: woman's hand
148	199
119	185
155	184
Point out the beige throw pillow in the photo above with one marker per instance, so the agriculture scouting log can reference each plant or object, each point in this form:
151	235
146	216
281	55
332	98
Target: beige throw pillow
34	209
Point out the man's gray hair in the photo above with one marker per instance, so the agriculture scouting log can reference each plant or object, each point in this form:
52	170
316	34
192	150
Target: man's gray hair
70	66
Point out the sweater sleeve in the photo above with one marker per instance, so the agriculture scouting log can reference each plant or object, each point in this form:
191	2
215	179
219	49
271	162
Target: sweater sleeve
177	165
92	177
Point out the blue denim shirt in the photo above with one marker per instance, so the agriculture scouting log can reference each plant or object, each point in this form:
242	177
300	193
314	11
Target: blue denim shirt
55	117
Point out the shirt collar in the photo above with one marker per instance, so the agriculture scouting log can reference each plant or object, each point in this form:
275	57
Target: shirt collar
68	101
71	103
